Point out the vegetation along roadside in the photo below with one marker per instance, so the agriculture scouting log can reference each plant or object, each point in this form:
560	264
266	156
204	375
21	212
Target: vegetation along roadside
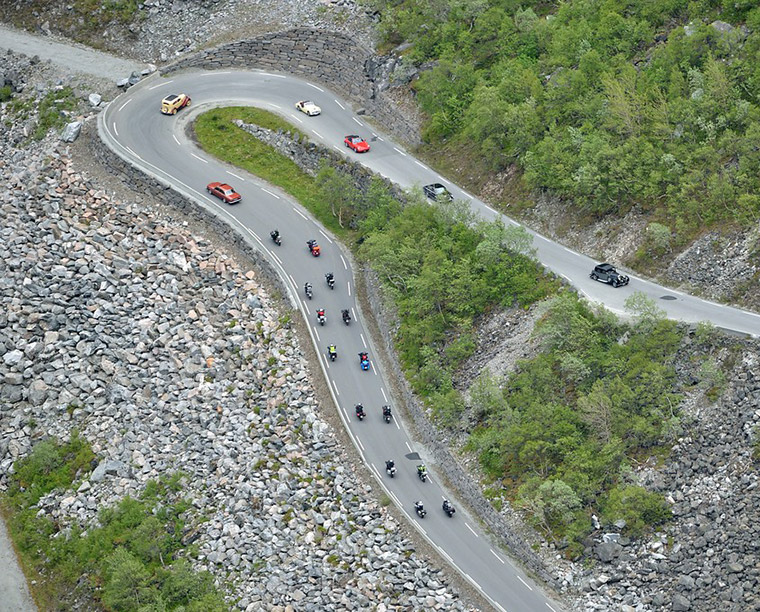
560	435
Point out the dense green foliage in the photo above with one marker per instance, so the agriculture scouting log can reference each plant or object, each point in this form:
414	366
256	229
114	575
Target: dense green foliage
127	563
560	432
608	102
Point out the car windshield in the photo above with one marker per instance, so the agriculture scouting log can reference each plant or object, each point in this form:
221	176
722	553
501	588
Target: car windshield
356	140
226	191
307	103
170	98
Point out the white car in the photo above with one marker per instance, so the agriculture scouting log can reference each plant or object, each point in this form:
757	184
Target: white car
308	107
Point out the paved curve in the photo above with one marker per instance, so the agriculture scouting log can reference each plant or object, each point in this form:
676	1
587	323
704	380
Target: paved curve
135	129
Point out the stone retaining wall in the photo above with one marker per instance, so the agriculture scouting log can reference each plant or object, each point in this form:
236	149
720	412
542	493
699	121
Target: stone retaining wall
331	58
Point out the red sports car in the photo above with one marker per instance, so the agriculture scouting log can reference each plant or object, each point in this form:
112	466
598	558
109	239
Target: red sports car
357	143
224	192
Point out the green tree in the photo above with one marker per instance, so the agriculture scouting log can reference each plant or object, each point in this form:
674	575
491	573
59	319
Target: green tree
128	585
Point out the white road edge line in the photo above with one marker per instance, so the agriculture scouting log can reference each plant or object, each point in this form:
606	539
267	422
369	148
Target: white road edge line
337	148
383	392
274	195
443	180
471	529
420	164
235	175
360	442
200	158
115	131
316	333
548	606
317	133
363	341
357	121
315	87
497	556
296	117
300	213
326	236
491	209
277	259
121	108
525	583
349	287
409	447
345	267
276	76
339	104
353	313
399	151
176	139
160	85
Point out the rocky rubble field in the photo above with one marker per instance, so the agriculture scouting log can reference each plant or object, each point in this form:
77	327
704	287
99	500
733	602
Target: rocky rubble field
167	355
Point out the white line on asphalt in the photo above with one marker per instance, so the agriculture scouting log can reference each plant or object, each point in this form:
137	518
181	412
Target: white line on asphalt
379	475
176	139
363	341
160	85
300	213
316	333
274	195
327	364
272	104
383	392
290	276
491	209
317	133
339	104
360	443
338	393
277	259
200	158
131	151
443	180
473	581
326	236
398	502
525	583
305	304
357	121
315	87
374	371
378	137
498	605
227	72
495	555
337	148
399	151
121	108
420	164
397	425
471	529
420	527
548	606
566	277
445	554
568	250
345	412
353	313
296	117
409	447
349	287
345	267
235	175
276	76
114	129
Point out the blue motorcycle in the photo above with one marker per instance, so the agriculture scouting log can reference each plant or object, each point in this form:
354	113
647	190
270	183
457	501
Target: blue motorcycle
364	361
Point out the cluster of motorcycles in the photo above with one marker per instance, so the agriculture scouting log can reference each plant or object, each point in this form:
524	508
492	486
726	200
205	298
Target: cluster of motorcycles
332	351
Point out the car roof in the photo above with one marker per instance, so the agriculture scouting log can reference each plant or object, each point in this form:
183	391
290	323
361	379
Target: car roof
171	98
605	266
354	136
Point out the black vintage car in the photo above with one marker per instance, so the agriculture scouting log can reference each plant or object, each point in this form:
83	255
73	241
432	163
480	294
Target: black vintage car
436	191
606	273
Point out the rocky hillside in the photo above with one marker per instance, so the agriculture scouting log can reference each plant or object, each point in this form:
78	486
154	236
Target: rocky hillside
170	354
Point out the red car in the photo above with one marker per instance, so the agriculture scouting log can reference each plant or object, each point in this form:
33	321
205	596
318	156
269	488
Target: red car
224	192
357	143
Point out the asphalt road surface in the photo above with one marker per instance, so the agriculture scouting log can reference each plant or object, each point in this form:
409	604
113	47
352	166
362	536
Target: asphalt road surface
134	127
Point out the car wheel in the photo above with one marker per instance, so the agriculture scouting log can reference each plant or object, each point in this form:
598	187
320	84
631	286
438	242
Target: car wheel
174	111
594	276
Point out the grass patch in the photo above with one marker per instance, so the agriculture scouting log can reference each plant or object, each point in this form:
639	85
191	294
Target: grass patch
131	561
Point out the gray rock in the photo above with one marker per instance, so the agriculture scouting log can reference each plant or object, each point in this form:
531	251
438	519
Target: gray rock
607	551
71	131
12	358
109	468
680	603
94	99
38	393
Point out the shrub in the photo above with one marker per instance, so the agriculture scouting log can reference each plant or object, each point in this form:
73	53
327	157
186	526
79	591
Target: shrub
638	507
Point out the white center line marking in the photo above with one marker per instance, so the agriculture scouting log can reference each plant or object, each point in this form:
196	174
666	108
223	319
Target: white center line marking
315	87
300	213
114	129
380	139
383	392
326	236
338	393
399	151
497	556
297	118
276	76
357	121
121	108
525	583
339	104
277	259
176	139
548	606
274	195
317	134
471	529
316	333
409	447
363	342
200	158
420	164
349	288
235	175
273	105
327	364
345	267
160	85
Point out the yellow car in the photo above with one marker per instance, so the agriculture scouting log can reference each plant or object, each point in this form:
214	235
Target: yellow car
172	103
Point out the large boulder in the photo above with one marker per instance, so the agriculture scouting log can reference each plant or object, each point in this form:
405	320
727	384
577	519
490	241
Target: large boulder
71	131
608	551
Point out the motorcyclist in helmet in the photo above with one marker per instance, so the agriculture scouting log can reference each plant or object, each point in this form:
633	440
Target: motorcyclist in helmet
346	314
389	465
421	469
330	279
332	351
359	410
386	411
419	508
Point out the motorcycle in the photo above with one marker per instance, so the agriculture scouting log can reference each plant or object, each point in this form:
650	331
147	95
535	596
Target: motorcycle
421	512
360	412
330	280
308	290
387	414
313	247
346	317
364	361
321	317
276	237
449	508
422	475
333	354
390	470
